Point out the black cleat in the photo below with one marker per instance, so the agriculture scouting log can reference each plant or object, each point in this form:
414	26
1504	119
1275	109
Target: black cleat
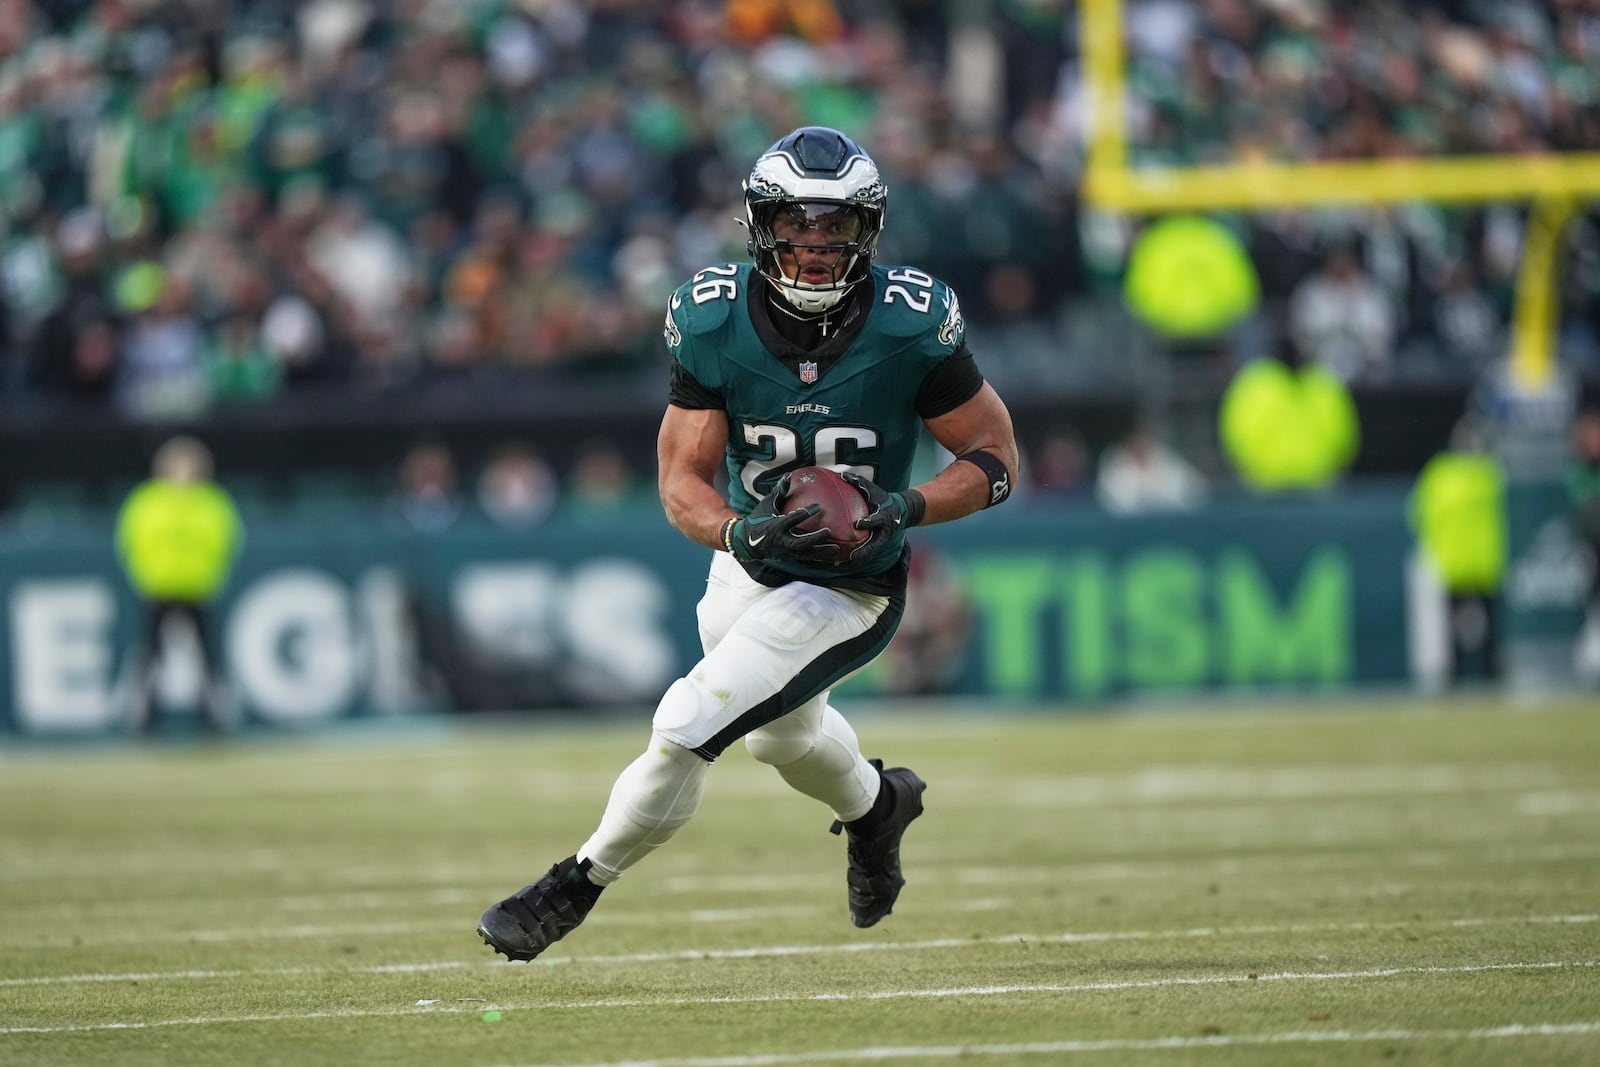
530	921
874	852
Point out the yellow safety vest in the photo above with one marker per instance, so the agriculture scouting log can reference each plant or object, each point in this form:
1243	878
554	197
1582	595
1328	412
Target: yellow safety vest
1458	511
178	541
1189	277
1288	428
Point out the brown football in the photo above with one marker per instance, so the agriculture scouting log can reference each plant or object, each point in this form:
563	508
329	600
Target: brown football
841	503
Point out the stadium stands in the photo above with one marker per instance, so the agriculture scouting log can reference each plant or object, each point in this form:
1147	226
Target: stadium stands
317	230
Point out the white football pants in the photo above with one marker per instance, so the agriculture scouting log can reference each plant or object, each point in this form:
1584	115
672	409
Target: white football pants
771	658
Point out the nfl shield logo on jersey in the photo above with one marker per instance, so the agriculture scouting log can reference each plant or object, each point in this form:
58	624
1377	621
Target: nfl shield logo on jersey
808	371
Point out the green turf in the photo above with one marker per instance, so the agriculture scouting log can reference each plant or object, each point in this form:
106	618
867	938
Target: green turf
1401	883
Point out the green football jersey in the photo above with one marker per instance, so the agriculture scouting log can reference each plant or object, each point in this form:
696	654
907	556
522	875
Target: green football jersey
858	414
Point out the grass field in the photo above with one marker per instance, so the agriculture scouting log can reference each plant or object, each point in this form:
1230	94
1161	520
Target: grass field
1376	883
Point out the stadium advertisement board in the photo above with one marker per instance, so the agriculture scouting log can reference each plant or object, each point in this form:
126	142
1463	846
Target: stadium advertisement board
1051	603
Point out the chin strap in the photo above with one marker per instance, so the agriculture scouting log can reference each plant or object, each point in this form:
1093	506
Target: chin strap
782	303
823	320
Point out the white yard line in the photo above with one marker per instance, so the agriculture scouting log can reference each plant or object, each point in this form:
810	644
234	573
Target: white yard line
258	972
1157	784
887	994
779	951
47	916
17	868
1153	1044
409	900
1545	804
337	930
1189	785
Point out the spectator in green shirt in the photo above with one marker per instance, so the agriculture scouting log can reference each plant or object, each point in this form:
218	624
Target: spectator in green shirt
239	368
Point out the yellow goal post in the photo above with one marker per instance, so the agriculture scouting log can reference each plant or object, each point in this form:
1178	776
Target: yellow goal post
1554	185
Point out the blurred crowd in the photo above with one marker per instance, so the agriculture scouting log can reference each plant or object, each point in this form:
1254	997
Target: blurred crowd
1417	291
221	202
514	487
1304	80
215	203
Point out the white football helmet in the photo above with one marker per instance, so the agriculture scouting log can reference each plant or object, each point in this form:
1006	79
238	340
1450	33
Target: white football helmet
815	174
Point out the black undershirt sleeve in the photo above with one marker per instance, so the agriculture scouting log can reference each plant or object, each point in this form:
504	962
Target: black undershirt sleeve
685	391
951	383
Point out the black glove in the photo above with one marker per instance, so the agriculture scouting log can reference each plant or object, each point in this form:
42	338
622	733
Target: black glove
886	511
768	533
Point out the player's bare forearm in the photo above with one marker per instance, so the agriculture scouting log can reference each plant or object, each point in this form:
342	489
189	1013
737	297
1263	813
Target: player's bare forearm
689	451
696	509
982	424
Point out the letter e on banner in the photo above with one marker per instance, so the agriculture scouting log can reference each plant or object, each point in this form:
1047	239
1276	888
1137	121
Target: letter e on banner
61	655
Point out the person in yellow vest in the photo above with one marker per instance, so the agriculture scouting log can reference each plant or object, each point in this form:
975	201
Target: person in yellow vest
1458	510
178	534
1287	424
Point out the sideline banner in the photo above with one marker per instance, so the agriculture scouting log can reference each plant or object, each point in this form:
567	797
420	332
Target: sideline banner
1033	601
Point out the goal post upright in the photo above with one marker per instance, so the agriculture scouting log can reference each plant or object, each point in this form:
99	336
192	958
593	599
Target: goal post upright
1552	184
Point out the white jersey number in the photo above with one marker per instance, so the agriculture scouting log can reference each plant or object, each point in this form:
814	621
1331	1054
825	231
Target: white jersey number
920	299
784	444
715	283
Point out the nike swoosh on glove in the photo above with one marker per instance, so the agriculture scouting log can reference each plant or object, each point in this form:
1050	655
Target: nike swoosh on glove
768	532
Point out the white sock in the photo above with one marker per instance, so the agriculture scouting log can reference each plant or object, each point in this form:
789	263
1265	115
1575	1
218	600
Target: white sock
653	796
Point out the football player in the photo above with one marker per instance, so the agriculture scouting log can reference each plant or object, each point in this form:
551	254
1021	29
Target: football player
809	355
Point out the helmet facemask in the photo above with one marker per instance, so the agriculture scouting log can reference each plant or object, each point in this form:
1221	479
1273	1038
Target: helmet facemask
812	251
814	199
